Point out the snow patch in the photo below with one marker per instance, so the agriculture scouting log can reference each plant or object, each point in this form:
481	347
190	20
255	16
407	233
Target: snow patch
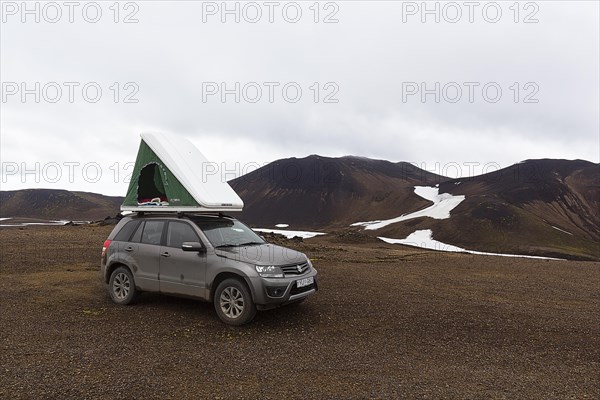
442	205
49	223
423	239
281	225
558	229
289	234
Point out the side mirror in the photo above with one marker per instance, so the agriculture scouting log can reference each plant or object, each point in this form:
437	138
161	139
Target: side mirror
193	246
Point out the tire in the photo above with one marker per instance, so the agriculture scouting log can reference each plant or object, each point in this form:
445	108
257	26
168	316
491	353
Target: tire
121	286
233	302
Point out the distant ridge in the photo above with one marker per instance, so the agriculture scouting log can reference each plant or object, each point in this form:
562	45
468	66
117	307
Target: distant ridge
54	204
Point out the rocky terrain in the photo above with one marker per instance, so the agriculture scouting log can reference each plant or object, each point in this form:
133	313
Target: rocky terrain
389	322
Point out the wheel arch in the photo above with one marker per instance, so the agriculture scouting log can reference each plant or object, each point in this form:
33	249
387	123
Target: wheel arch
110	269
221	276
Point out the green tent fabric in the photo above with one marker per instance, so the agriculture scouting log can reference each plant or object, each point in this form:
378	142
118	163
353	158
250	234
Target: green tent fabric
171	175
151	179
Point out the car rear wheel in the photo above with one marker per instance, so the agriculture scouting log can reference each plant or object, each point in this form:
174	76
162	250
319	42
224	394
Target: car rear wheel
233	302
121	286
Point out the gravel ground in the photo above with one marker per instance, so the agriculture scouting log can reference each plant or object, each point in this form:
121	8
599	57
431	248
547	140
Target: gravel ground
389	322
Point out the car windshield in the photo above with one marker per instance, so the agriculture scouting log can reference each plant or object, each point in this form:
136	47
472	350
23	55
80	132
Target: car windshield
223	232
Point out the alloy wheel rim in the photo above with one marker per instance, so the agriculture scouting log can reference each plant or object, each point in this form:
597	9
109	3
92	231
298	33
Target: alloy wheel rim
232	302
121	286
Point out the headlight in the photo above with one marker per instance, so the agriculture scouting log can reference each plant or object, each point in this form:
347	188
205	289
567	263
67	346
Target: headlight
269	271
310	264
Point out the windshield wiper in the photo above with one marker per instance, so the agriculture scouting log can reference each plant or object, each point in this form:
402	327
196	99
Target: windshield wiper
237	245
249	244
225	245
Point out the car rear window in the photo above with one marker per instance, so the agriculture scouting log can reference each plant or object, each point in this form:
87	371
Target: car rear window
125	232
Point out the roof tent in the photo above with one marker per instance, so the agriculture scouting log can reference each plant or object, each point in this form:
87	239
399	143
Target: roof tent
170	174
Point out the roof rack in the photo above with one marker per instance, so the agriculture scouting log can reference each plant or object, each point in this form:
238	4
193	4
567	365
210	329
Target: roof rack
182	214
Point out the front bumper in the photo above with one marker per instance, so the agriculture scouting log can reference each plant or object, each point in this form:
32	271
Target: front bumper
275	292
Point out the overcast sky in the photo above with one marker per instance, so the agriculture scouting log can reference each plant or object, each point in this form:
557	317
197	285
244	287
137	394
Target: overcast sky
487	83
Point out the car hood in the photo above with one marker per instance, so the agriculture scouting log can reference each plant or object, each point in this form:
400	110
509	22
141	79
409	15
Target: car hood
264	254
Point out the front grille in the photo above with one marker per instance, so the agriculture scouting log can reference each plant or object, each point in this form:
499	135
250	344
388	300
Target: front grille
295	269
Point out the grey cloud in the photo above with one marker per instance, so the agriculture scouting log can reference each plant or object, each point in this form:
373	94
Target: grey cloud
369	54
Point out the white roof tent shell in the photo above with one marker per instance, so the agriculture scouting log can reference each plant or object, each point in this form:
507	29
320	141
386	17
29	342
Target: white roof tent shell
198	176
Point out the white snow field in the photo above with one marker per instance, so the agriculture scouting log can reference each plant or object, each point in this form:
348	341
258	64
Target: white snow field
424	239
443	204
440	209
47	223
290	234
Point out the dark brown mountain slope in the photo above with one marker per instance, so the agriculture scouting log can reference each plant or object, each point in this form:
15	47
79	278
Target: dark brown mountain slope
57	204
317	192
537	207
564	193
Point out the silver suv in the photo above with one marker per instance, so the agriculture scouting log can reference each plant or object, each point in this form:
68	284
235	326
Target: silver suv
211	257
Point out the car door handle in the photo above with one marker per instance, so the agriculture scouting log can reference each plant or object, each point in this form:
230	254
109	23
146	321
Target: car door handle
129	248
165	254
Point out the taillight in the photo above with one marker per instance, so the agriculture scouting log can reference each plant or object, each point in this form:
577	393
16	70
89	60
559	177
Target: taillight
105	246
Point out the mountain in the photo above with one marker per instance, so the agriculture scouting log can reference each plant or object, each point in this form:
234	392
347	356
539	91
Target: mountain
543	205
561	192
54	204
537	207
317	192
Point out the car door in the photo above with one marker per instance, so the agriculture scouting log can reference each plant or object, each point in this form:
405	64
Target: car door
182	272
148	238
125	250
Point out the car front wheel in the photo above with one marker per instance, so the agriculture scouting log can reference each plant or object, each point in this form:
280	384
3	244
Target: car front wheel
121	286
233	302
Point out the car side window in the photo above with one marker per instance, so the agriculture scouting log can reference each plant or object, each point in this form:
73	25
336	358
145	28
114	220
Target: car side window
125	232
137	236
179	232
152	233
